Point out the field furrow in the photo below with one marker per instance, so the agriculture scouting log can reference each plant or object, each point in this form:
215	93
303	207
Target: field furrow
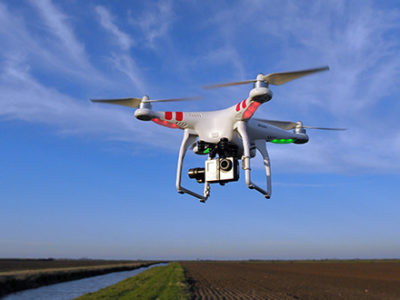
294	280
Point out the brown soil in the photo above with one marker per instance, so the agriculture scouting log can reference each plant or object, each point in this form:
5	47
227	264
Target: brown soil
294	280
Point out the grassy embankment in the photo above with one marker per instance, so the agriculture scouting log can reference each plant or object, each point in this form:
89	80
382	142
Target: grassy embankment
156	283
17	275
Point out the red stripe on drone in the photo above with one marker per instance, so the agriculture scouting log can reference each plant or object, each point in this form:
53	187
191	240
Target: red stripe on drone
179	116
244	104
168	115
250	111
238	106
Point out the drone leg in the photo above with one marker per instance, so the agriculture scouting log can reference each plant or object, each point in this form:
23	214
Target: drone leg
261	146
241	127
188	139
206	192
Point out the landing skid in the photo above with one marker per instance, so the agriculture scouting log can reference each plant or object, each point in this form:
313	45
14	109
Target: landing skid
262	148
190	137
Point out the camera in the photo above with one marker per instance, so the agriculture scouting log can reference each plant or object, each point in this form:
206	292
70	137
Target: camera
222	170
198	174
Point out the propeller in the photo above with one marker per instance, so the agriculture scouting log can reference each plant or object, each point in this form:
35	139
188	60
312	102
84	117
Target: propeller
135	102
287	125
272	78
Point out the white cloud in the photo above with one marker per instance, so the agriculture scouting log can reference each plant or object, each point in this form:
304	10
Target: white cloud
355	39
122	60
57	25
358	42
23	98
123	39
363	61
154	23
364	66
226	55
50	46
125	64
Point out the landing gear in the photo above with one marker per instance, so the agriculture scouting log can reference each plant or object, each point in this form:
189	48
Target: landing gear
222	169
262	148
189	137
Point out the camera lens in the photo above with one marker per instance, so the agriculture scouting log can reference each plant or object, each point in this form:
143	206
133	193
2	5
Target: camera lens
225	164
198	174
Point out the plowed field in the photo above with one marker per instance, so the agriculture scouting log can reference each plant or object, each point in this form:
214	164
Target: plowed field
294	280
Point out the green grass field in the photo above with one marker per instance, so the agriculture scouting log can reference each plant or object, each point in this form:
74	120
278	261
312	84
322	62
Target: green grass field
156	283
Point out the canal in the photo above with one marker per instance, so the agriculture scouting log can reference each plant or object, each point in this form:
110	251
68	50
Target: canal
75	288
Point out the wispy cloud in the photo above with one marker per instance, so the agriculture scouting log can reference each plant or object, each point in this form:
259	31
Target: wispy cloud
57	25
121	60
358	40
48	44
154	22
18	41
359	49
124	40
226	35
23	98
226	55
364	66
125	64
26	96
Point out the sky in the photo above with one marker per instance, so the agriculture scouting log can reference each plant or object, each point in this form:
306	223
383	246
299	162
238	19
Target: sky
79	179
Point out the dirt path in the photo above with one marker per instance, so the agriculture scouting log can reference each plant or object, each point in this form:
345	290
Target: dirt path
294	280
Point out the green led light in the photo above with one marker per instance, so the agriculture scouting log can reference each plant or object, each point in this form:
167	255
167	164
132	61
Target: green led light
282	141
206	151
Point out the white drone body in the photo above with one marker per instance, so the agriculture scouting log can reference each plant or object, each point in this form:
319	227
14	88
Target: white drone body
227	135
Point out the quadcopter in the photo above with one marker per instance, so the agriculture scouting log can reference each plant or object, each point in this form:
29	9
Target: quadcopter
228	135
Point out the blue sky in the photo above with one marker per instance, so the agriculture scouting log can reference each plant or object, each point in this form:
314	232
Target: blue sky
85	180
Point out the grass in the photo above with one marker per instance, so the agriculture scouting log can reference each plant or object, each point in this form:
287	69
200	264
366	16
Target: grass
156	283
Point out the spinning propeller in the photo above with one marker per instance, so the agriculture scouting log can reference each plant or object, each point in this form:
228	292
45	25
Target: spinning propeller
135	102
287	125
272	78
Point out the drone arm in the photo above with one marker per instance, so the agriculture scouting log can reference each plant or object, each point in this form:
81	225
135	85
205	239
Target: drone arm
241	127
188	139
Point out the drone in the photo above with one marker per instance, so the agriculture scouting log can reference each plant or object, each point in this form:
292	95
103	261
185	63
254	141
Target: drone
228	135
